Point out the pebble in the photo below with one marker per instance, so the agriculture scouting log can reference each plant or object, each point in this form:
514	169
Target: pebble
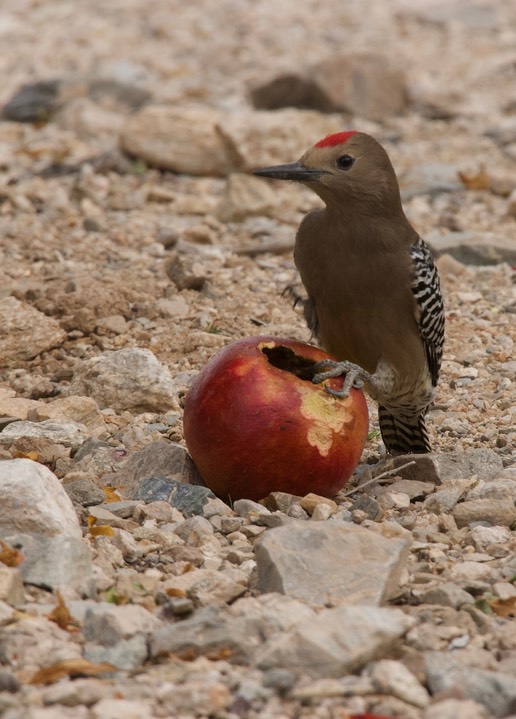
25	332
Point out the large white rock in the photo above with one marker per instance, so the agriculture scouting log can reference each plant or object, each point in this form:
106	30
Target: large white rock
128	379
33	500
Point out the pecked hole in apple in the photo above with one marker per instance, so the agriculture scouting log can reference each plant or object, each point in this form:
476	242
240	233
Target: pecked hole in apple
286	359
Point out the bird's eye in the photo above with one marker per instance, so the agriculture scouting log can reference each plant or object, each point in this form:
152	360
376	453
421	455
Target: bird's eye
345	162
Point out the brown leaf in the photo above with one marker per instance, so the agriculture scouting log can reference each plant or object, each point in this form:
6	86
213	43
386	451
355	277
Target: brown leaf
111	494
10	556
27	455
175	592
103	530
72	668
61	615
504	607
479	181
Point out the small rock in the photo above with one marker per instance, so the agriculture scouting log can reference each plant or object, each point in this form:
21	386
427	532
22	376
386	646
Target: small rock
64	432
127	379
110	708
369	564
181	139
456	709
206	587
25	332
246	507
438	468
11	586
392	677
279	501
445	499
176	307
33	102
195	696
187	498
83	410
34	501
310	501
414	489
369	506
84	492
60	561
447	595
364	84
472	249
75	693
246	196
431	179
150	474
496	691
494	511
125	654
8	682
186	271
107	624
17	407
336	642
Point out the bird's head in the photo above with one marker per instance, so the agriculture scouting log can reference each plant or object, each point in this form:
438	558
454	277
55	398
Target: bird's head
344	168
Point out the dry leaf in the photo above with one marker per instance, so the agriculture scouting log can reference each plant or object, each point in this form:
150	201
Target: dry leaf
111	494
10	556
175	592
61	615
27	455
103	530
504	607
70	668
189	567
479	181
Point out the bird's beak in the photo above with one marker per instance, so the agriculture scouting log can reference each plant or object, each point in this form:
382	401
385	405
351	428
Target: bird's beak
295	171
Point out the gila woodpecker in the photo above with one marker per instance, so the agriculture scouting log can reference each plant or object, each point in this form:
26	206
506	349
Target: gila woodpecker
374	299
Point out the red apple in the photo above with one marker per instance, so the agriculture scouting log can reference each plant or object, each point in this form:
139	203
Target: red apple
255	423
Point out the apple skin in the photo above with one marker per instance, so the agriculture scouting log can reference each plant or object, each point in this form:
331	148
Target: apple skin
253	428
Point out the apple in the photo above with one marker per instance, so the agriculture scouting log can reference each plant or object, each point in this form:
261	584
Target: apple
254	422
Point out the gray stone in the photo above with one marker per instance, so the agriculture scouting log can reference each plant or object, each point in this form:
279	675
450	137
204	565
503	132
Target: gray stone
206	586
330	563
456	709
85	692
447	595
33	102
65	432
365	84
496	488
245	507
392	677
125	654
369	505
128	379
84	492
337	641
245	196
107	623
496	691
432	178
472	249
33	500
162	460
414	489
59	561
208	631
495	511
8	682
439	468
187	498
11	585
25	332
445	499
186	271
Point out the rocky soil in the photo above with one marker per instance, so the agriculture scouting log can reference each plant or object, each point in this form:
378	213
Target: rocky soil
134	244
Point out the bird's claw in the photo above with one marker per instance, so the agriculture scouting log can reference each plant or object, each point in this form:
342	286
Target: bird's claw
327	369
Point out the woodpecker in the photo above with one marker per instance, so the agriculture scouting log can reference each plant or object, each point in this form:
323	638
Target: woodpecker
374	298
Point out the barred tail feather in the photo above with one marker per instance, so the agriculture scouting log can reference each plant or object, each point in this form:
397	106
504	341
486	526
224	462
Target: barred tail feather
402	435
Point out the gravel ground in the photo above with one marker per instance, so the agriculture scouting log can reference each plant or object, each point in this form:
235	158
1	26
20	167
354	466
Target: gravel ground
102	251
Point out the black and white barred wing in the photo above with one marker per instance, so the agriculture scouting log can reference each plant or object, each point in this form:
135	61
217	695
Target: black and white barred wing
429	306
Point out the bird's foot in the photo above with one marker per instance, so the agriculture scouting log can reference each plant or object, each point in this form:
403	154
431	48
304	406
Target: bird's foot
355	376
